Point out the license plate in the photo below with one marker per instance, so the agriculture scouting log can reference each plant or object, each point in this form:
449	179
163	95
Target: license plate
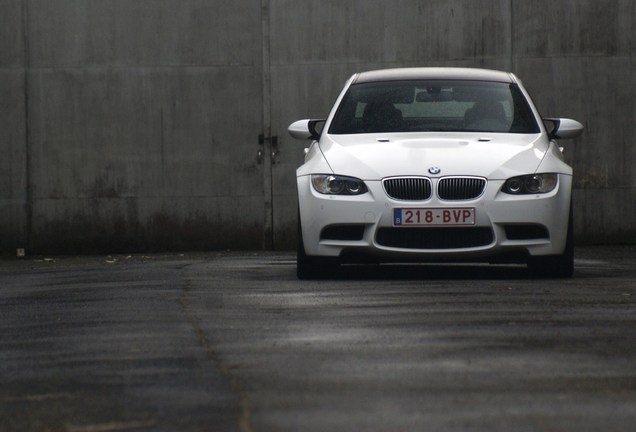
433	216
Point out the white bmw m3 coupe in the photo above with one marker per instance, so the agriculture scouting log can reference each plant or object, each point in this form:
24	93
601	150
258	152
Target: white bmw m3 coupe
435	165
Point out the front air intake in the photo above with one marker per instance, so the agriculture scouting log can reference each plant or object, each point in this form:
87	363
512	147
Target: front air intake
435	238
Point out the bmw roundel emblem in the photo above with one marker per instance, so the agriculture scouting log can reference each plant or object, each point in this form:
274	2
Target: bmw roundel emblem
434	170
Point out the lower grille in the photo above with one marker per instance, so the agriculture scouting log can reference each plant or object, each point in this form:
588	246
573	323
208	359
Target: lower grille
526	232
434	238
342	232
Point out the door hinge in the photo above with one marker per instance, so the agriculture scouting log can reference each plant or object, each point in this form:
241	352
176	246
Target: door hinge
274	147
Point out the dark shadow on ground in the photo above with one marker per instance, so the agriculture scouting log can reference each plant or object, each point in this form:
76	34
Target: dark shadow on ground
428	272
456	272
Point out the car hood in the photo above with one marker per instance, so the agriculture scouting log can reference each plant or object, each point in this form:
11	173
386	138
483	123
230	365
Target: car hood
373	157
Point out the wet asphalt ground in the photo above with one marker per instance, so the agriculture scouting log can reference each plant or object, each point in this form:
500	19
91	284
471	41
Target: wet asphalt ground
234	342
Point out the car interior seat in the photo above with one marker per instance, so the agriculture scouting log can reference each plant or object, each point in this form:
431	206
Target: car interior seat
381	117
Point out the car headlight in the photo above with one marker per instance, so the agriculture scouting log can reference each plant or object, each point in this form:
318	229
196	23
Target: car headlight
338	185
531	184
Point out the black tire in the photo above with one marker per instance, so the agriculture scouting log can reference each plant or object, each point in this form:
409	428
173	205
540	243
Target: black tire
313	267
556	266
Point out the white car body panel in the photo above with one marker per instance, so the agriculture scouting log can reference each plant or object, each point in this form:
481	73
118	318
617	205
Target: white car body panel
492	208
489	155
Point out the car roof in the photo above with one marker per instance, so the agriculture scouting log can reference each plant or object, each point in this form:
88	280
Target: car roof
434	73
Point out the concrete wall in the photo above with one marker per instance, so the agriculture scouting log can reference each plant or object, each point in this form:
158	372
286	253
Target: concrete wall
124	120
579	60
133	125
13	156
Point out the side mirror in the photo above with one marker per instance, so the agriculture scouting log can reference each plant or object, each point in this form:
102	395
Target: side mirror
306	129
564	128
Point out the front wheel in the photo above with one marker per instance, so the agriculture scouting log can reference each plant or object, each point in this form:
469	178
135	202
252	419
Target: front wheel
556	266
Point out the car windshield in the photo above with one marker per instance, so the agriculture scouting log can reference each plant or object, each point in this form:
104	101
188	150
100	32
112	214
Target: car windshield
434	105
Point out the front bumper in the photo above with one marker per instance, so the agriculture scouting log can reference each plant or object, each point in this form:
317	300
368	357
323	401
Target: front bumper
504	224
